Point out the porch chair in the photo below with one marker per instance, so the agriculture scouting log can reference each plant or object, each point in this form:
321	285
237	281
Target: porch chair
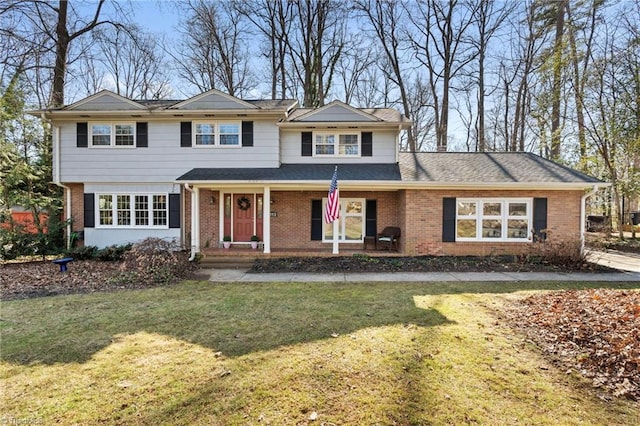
388	238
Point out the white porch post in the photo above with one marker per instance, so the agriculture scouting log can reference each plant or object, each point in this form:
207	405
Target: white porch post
336	249
195	220
266	219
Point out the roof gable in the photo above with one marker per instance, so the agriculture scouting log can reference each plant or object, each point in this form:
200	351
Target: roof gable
336	111
213	100
105	100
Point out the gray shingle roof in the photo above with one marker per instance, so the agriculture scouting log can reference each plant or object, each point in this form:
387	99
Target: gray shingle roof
423	168
298	172
486	167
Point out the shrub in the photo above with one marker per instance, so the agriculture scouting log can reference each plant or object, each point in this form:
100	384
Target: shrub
83	253
113	253
155	260
560	253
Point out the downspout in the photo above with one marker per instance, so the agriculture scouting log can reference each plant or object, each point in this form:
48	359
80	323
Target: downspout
57	182
193	246
583	212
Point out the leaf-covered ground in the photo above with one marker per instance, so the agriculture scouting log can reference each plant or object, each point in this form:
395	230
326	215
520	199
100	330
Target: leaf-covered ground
594	332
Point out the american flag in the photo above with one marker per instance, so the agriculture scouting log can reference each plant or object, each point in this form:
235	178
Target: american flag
333	203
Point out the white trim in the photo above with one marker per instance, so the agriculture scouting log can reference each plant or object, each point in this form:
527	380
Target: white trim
132	210
112	134
336	144
504	218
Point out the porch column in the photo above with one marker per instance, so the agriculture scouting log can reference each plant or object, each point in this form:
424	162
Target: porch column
266	219
195	220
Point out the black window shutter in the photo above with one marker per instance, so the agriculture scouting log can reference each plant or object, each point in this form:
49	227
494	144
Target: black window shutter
448	220
316	220
89	210
366	143
174	210
185	134
307	144
142	139
82	135
539	216
370	219
247	133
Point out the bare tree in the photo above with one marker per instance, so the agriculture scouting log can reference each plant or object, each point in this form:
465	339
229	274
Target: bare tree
441	45
384	18
489	16
214	53
132	63
315	44
272	18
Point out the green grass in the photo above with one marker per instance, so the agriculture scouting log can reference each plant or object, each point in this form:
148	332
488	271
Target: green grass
275	353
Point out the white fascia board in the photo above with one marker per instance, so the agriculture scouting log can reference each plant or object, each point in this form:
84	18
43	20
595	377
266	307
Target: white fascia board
394	185
320	125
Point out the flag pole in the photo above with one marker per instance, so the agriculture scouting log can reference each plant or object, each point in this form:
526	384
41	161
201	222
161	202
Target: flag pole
336	250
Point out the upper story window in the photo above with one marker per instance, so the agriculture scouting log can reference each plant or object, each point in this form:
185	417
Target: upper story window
213	133
112	134
336	144
493	219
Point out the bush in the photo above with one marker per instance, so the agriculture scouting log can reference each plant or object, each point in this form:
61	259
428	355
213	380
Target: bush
112	253
155	261
560	253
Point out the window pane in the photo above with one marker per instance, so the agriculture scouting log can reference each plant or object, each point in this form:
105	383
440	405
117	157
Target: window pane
229	129
354	207
348	144
517	228
353	229
205	134
325	144
491	228
101	134
517	209
124	134
105	205
229	140
466	228
466	209
159	210
492	209
142	210
123	209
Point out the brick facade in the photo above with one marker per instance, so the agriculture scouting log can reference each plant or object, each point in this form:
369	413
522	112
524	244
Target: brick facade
417	212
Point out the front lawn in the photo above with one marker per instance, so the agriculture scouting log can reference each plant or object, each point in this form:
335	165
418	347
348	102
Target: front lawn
283	353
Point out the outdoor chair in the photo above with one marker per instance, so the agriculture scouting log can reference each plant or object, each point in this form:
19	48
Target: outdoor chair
388	238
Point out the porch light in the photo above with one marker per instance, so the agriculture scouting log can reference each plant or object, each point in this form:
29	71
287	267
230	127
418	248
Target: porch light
212	200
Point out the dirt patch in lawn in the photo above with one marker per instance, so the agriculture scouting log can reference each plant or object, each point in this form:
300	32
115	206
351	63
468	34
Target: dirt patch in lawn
594	332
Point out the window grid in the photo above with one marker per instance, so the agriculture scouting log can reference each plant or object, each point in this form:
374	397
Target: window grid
493	219
113	135
336	144
214	133
141	207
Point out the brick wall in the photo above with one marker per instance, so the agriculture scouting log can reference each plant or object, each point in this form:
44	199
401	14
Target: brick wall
77	206
417	212
423	221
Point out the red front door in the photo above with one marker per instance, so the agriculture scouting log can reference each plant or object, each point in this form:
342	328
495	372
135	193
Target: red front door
243	216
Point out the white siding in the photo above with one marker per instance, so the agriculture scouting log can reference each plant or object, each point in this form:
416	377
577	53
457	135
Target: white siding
164	160
108	237
336	113
215	102
107	102
384	148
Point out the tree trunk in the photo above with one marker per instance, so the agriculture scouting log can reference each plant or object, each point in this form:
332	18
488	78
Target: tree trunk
557	81
62	48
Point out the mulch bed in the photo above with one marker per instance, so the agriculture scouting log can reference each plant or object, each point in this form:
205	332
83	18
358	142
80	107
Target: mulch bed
594	332
363	263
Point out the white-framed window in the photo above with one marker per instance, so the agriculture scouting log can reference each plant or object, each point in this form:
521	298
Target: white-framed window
506	219
215	133
336	144
351	224
120	135
132	210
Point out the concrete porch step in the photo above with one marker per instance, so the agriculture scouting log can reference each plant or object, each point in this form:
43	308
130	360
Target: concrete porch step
226	262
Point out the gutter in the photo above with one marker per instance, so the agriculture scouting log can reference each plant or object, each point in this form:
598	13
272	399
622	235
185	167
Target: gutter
583	211
193	225
57	182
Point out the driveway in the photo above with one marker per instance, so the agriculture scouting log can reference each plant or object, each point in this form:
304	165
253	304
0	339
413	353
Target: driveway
623	261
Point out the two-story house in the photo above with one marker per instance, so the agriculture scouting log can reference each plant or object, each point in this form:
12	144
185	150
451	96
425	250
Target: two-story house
213	165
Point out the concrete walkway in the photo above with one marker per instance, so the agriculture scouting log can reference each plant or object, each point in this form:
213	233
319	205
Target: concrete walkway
236	275
627	263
